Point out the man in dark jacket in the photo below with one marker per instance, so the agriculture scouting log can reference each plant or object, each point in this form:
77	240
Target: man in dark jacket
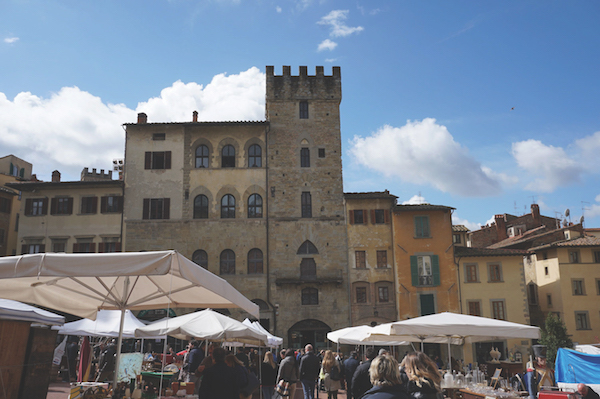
309	371
350	366
218	381
361	381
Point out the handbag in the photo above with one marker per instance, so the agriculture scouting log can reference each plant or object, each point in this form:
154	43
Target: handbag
283	388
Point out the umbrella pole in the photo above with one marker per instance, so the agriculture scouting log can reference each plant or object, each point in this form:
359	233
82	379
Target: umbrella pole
449	355
118	352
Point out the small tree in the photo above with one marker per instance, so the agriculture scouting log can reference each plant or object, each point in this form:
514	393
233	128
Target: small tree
554	336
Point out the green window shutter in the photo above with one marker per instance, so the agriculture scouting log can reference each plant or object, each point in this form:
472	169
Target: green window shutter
414	271
22	172
11	169
435	269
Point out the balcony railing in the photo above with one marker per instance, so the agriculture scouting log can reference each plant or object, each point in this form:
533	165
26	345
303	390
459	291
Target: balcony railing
322	277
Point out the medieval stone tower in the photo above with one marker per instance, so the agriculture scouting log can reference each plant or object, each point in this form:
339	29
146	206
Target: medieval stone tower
306	227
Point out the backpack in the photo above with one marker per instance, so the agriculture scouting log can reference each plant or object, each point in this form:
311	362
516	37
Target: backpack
335	373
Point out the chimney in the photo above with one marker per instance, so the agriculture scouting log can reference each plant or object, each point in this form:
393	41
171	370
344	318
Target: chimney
142	118
500	227
56	176
535	214
195	116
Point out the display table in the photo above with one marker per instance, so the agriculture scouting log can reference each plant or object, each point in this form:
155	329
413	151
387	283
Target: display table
468	394
155	376
79	389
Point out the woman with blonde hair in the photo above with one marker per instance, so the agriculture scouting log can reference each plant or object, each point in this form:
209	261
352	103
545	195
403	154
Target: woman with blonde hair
268	372
385	377
331	374
423	376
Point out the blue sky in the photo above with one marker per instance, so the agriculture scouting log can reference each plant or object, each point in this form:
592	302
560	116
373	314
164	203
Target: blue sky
485	106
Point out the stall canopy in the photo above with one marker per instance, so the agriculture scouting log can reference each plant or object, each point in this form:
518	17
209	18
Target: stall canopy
205	325
106	325
81	284
13	310
359	335
573	367
272	341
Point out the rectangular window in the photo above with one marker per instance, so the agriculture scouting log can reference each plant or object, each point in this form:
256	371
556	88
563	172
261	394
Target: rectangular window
474	308
382	262
61	206
358	216
109	244
84	245
578	287
546	271
549	300
456	238
425	270
59	245
498	311
379	216
422	226
321	152
158	136
111	204
573	256
33	248
361	261
582	321
89	205
156	208
471	273
305	157
157	160
5	205
383	294
596	256
303	110
306	203
36	206
361	294
495	273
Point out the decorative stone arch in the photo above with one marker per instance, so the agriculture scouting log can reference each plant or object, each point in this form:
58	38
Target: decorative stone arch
211	153
262	305
308	331
250	142
236	146
201	190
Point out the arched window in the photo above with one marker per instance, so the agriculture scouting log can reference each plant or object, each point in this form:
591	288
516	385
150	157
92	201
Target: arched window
228	207
201	207
307	248
310	296
227	263
228	157
200	257
202	156
254	156
255	206
255	261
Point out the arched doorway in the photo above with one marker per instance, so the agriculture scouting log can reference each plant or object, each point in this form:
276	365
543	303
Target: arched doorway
309	331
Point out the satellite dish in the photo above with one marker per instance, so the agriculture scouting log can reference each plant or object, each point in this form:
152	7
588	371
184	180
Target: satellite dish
567	212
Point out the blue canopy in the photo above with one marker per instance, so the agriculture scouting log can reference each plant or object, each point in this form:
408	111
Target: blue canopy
577	367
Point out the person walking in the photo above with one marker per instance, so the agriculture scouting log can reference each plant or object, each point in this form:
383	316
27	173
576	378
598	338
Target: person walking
385	376
361	381
331	373
423	376
268	372
309	371
288	371
219	381
350	366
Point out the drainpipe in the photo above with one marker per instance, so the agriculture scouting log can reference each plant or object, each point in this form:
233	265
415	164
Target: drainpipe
268	257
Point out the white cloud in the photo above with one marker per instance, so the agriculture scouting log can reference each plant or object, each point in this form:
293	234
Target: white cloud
503	177
327	45
330	60
11	40
594	209
469	225
423	152
550	166
278	9
74	129
415	200
336	20
589	147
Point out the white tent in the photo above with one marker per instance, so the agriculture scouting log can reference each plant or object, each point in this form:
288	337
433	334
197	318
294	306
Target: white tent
106	325
81	284
272	341
359	335
206	325
13	310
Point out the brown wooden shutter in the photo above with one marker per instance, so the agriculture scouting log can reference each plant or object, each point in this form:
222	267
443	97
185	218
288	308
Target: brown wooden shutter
166	208
146	209
93	247
42	248
75	247
103	202
101	247
118	247
44	206
351	217
23	249
373	218
148	160
119	203
28	206
70	206
386	213
167	159
94	204
53	202
365	216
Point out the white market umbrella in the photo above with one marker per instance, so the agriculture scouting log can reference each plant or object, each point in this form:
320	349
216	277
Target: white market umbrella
273	341
449	326
81	284
107	324
205	325
359	335
14	310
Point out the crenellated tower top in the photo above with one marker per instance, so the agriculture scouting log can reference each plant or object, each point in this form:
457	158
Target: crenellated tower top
286	87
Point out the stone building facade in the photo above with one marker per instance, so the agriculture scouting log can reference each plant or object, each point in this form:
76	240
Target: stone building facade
258	203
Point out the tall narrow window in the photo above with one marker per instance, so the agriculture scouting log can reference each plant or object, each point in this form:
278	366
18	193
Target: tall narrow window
474	308
227	261
383	294
255	206
254	156
495	273
306	201
361	259
305	157
89	205
200	257
255	261
425	270
228	157
422	226
303	110
382	259
471	273
228	207
578	287
201	207
361	294
498	311
310	296
308	268
202	156
582	320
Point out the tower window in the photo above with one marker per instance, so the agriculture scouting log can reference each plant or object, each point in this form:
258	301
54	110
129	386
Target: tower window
228	207
321	152
306	201
303	109
228	157
202	156
254	156
305	158
201	207
255	261
227	261
310	296
255	206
